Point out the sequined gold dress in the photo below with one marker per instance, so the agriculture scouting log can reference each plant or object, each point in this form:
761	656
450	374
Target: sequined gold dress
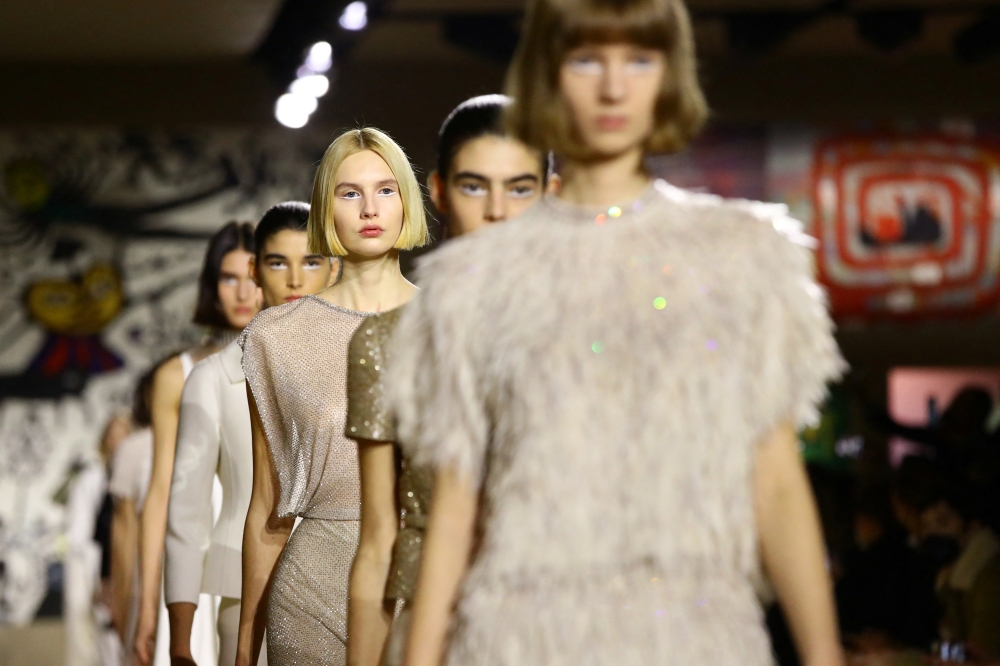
369	417
295	360
604	378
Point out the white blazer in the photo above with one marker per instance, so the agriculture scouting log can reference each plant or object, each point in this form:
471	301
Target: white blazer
213	438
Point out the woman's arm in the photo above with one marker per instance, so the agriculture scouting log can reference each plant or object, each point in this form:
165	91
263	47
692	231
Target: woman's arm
264	537
447	549
792	549
166	400
368	618
124	544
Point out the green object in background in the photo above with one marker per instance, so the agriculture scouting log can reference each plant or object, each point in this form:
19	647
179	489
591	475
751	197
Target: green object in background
819	444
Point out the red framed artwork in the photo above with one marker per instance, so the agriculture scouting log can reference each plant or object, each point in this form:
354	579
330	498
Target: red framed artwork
907	226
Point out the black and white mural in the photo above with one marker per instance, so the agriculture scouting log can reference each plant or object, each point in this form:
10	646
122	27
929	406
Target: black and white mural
102	235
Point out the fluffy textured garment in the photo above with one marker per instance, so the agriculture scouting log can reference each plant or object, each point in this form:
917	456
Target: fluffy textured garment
605	377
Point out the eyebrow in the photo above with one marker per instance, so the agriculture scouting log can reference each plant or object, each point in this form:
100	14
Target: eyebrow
472	175
278	255
387	181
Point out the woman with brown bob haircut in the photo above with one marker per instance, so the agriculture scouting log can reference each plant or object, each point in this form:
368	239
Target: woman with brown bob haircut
609	386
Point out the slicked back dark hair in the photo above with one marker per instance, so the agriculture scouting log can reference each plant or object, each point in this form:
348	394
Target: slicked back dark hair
233	236
288	215
474	118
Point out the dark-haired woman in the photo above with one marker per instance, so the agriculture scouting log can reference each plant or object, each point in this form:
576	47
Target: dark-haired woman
214	440
483	176
608	386
227	300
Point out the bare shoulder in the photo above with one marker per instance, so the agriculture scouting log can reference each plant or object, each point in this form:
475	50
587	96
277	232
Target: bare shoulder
169	379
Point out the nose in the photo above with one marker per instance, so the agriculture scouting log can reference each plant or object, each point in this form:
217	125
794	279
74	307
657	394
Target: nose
294	277
613	81
247	289
496	205
369	208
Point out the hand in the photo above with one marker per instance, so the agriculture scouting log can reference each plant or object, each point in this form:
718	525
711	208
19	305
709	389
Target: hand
145	638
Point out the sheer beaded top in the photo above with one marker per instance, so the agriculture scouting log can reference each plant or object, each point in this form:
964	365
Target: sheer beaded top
369	416
295	360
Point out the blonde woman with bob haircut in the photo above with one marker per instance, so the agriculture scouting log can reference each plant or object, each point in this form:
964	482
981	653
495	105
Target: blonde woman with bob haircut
366	207
609	386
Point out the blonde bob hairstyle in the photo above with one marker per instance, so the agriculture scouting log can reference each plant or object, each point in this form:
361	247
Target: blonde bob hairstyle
552	28
322	231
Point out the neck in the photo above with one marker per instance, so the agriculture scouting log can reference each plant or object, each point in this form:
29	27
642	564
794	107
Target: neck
604	182
370	284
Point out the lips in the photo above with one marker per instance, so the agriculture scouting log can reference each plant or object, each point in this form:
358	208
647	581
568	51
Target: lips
612	123
371	231
292	297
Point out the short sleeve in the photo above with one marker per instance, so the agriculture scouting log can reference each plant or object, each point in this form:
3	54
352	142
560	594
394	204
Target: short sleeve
125	471
368	413
801	357
435	379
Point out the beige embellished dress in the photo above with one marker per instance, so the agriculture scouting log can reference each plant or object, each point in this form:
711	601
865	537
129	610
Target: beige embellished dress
604	377
369	417
295	360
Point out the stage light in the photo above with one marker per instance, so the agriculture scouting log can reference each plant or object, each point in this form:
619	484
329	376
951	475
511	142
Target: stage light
293	110
320	58
355	16
314	85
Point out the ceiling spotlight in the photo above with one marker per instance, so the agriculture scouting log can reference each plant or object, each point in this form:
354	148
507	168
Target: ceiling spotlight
293	110
889	29
981	40
319	59
314	85
355	16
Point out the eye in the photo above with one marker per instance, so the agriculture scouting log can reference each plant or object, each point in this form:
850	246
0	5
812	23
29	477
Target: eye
522	191
584	63
642	62
472	189
228	280
350	194
386	191
276	265
313	264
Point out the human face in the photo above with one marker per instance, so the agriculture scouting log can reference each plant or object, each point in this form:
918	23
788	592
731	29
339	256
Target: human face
367	208
288	271
492	179
941	519
239	297
610	91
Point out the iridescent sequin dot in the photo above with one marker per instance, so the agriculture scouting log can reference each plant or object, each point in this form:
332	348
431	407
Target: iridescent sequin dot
597	347
711	345
362	361
615	211
659	302
667	269
602	218
637	206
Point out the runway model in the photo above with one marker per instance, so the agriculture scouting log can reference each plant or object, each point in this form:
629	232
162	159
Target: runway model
214	440
608	386
227	301
482	177
366	206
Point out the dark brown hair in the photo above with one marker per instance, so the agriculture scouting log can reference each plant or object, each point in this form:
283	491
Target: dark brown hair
539	117
233	236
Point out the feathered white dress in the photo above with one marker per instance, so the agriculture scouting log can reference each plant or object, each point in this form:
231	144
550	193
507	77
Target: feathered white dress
605	378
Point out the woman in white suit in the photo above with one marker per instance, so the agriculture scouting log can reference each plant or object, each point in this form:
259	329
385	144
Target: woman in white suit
214	438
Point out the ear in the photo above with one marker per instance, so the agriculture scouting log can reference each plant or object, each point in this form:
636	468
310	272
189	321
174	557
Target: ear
254	273
554	184
335	268
436	189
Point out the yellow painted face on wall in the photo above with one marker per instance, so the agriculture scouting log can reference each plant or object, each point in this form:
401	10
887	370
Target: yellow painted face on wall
82	307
